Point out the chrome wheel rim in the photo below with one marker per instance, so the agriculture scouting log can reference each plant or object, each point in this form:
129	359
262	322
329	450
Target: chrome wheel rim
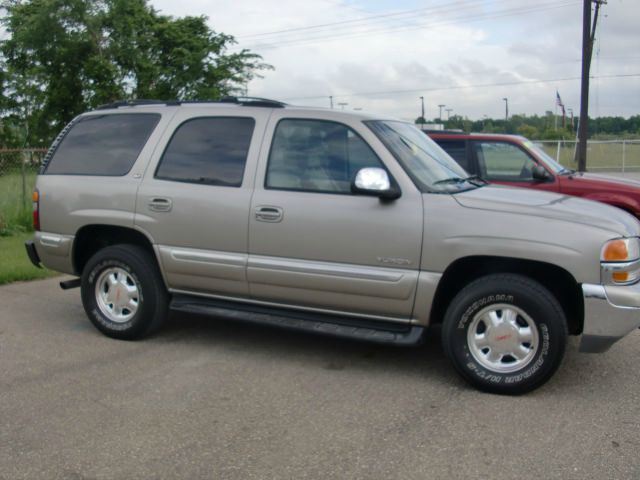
117	295
503	338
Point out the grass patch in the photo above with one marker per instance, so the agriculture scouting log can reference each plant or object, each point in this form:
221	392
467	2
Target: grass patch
15	202
605	156
14	262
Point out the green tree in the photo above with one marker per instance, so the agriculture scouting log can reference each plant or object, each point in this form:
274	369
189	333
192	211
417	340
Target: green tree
64	57
528	131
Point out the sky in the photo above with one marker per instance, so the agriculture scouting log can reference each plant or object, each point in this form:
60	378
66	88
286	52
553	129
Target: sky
468	55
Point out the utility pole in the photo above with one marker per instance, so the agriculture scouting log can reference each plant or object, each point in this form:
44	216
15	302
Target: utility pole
506	110
422	100
331	101
440	115
588	37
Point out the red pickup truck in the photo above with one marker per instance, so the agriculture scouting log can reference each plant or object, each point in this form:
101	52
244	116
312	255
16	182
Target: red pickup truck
516	161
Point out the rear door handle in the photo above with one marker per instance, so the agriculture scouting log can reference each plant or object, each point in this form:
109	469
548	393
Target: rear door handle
269	214
160	204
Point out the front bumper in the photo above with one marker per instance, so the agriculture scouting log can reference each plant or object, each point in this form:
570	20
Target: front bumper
610	313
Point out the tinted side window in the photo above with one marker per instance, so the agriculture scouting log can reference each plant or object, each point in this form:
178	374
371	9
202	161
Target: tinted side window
317	156
211	151
500	161
457	149
103	144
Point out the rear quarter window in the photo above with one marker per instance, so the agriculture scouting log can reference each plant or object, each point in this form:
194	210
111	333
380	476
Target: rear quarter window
103	145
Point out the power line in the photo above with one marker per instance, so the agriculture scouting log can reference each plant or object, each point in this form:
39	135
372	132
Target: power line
462	19
454	20
370	18
461	87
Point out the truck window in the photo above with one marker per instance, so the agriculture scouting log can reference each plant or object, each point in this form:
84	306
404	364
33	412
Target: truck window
501	161
457	149
211	150
105	145
316	156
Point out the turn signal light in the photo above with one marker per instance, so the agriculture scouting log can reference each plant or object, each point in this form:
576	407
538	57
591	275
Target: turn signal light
620	277
615	251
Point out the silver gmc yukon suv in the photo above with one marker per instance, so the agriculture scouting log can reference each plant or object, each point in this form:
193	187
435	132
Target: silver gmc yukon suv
330	222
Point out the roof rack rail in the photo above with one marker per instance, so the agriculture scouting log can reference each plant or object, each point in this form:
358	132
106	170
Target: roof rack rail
253	102
244	101
136	102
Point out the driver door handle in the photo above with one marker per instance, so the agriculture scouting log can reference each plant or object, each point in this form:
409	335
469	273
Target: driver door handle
265	213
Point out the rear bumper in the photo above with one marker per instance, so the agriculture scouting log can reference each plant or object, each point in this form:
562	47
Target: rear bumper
610	313
51	250
32	253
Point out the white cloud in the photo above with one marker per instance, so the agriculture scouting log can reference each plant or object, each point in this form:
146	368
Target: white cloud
468	46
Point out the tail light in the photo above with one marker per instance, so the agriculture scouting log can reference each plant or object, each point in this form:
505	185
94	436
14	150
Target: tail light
36	210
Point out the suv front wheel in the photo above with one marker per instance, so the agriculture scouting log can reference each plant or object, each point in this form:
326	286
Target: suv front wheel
123	292
505	333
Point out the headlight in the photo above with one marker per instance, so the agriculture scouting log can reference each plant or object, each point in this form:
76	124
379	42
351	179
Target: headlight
620	261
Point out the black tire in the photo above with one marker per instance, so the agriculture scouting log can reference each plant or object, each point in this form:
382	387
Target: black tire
138	279
513	316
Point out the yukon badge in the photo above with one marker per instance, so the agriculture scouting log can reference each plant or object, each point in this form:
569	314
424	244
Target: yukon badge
394	261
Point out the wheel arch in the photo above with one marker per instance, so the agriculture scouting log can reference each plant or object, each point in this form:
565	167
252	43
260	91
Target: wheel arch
92	238
557	280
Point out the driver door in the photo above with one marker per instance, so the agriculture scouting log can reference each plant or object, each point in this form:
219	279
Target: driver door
315	245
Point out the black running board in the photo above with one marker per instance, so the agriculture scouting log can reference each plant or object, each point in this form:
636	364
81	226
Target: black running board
385	332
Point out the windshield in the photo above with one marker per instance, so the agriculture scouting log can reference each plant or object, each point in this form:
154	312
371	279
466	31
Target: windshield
548	160
428	165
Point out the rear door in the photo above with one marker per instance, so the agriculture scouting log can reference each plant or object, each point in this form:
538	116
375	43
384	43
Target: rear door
315	245
195	197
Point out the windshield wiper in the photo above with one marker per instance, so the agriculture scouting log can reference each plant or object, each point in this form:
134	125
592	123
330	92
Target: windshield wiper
450	180
476	178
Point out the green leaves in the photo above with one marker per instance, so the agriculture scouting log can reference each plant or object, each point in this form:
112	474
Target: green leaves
63	57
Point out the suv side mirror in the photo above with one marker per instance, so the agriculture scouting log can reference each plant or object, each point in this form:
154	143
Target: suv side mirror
540	174
375	182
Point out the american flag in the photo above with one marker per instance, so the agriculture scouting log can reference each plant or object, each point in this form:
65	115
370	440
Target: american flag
559	100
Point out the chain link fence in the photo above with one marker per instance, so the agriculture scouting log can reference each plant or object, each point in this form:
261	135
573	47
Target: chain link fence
602	155
18	170
19	167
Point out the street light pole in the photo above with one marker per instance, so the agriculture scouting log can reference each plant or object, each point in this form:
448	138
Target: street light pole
422	100
449	110
440	115
342	104
570	110
506	109
331	101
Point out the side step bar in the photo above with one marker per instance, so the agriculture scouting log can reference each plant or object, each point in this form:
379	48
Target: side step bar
69	284
389	333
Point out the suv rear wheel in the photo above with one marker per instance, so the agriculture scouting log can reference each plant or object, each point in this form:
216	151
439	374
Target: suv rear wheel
123	293
505	333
